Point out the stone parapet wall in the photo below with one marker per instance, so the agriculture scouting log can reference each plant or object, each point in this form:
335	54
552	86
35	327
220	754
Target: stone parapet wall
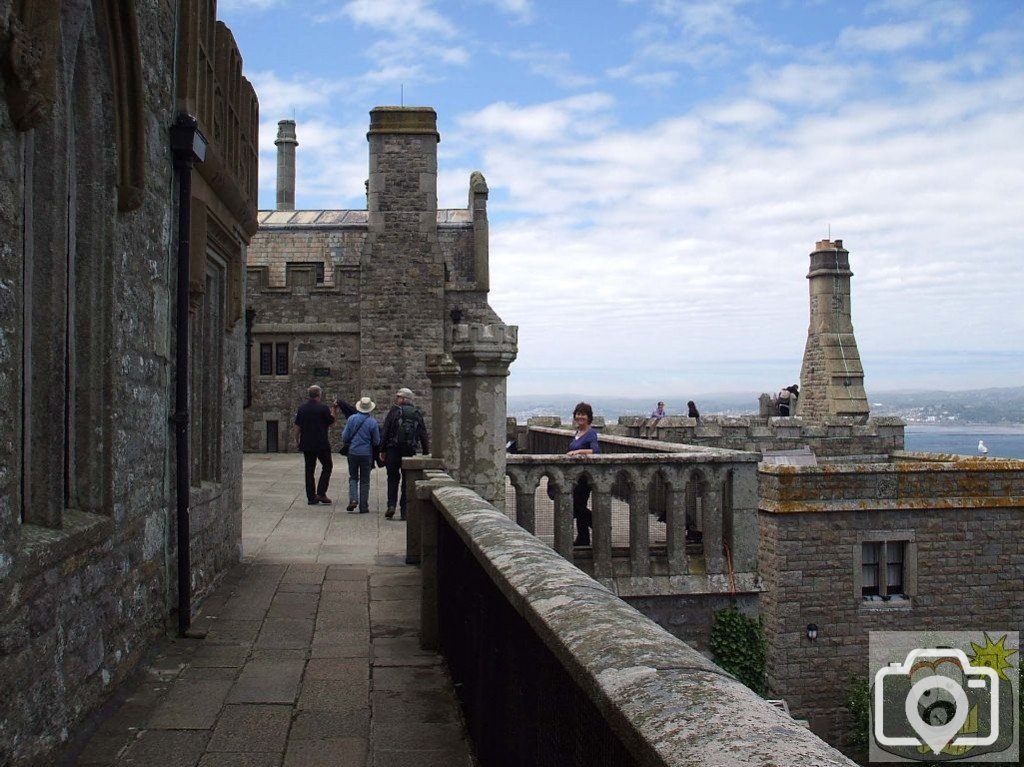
835	437
962	524
622	689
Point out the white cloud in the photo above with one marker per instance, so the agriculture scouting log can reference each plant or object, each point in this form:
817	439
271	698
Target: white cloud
554	65
521	9
694	232
399	16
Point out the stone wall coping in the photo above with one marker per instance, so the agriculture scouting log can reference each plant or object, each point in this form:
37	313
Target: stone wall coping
647	446
904	463
710	455
656	693
317	219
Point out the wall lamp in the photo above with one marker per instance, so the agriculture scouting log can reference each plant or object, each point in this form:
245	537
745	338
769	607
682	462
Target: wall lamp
812	631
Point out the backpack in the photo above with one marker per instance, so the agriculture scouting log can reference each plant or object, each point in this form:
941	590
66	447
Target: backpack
406	436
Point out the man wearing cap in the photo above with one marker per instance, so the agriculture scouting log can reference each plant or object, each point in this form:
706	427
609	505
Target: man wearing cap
312	421
404	429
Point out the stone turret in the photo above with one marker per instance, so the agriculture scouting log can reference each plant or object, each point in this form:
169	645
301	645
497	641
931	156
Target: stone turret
286	143
832	377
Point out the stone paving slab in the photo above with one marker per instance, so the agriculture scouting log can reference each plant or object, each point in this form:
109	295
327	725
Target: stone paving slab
311	655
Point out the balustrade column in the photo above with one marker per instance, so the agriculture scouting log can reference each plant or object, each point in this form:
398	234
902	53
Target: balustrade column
676	497
526	506
484	352
563	521
639	527
601	533
446	401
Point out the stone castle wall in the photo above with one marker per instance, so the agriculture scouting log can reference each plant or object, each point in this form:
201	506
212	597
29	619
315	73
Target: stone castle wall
961	522
87	554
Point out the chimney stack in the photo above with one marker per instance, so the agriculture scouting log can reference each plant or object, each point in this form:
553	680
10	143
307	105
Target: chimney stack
286	143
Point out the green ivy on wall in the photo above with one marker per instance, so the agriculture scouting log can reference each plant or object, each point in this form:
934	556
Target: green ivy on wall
738	644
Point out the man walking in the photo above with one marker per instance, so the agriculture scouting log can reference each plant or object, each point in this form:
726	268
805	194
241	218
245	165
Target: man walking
312	420
404	428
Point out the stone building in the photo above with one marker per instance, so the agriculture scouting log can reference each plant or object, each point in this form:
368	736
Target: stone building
921	542
355	300
94	188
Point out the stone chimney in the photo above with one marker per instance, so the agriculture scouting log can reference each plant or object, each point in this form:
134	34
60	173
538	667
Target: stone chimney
831	377
401	291
286	143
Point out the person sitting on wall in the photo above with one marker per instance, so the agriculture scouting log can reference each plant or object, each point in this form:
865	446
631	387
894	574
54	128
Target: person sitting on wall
787	400
584	442
659	411
692	412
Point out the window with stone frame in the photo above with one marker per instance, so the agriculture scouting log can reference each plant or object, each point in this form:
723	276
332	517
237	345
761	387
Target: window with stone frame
69	174
274	358
207	371
886	568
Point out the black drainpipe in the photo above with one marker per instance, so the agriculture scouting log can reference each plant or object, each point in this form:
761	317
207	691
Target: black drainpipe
188	147
250	317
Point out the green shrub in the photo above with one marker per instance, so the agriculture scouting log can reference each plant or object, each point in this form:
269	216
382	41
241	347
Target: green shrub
738	645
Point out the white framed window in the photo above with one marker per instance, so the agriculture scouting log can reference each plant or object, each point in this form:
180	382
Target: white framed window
885	567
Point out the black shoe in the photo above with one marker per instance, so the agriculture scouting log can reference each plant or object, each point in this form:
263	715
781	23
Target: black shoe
314	502
351	505
323	499
365	512
390	512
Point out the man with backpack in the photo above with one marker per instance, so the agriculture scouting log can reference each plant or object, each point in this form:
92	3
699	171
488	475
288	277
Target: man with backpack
404	429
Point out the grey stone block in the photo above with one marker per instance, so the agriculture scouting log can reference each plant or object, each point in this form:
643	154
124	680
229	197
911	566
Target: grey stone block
268	681
251	728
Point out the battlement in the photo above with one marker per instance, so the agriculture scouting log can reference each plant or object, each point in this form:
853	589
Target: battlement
486	335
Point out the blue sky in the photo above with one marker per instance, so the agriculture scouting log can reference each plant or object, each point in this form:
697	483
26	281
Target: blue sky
660	170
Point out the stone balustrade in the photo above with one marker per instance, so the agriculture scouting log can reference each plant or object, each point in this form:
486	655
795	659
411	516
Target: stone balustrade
552	668
706	497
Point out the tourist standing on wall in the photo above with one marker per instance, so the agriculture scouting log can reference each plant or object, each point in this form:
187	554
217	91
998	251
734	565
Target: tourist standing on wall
404	429
584	442
362	435
312	421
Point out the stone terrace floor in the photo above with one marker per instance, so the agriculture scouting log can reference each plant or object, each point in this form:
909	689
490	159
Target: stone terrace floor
311	655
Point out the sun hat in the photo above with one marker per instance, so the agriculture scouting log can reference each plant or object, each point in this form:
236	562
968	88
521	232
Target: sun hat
404	392
365	405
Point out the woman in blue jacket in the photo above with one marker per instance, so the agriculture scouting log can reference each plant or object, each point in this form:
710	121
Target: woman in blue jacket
362	435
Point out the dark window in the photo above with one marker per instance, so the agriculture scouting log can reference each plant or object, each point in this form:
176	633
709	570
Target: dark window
320	274
281	368
272	446
894	567
871	554
266	359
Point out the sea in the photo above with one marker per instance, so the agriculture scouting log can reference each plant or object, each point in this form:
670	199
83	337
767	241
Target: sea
1001	441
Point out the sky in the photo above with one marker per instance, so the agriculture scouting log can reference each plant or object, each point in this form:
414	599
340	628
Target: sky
660	170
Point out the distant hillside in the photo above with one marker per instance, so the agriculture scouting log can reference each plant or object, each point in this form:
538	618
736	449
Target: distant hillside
995	406
989	406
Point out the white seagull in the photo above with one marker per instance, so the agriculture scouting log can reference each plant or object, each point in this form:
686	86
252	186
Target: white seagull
982	449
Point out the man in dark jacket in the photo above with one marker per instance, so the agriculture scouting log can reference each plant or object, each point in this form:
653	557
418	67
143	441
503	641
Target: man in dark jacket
312	422
404	429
